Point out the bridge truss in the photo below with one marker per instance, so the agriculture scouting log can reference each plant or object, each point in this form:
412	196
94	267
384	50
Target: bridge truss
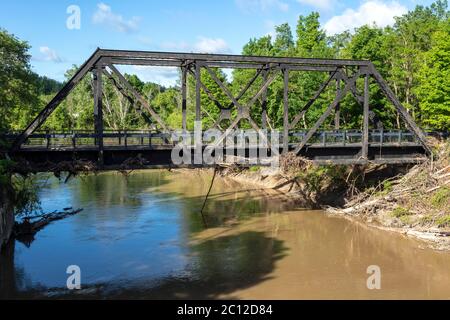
343	73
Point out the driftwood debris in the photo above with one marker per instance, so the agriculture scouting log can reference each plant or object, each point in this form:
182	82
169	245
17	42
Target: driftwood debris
29	226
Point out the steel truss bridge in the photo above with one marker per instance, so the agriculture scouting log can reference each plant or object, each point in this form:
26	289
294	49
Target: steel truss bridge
153	146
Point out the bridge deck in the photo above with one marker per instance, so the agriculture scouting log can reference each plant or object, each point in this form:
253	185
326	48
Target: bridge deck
155	149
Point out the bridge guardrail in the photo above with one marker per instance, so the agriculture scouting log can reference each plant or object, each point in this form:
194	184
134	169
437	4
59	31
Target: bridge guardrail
148	138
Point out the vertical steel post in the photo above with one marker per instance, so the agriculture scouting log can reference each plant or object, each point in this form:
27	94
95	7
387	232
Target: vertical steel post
365	140
286	111
198	114
98	111
184	96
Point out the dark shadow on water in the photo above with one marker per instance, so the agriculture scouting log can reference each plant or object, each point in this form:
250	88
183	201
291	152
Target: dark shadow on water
221	211
217	267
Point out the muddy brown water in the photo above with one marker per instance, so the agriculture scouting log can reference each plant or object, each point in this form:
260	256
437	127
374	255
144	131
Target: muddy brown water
142	236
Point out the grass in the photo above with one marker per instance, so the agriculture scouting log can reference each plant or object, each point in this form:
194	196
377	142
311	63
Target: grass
405	219
441	198
443	221
400	212
387	187
254	169
403	214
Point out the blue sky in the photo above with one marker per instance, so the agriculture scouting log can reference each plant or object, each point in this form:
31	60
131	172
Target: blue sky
192	26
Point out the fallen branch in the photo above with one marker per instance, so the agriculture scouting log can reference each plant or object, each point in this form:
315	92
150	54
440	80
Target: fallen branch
30	227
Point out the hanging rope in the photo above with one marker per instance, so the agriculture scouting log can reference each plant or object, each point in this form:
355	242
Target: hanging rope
207	195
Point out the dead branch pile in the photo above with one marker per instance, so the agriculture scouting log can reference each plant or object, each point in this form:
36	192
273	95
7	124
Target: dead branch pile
229	169
421	197
290	163
131	164
73	168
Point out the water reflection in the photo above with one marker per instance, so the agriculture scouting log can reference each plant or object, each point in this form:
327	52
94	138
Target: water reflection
143	237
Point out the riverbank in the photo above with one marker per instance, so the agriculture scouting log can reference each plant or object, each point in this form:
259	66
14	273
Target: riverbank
416	204
411	200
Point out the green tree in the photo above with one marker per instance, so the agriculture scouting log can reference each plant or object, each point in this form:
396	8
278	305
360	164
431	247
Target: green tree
434	88
18	92
369	42
411	37
312	42
284	41
311	38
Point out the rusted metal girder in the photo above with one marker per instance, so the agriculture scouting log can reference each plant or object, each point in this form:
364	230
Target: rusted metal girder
266	67
98	110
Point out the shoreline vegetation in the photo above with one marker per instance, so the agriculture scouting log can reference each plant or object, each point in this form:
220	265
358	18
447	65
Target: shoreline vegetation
413	200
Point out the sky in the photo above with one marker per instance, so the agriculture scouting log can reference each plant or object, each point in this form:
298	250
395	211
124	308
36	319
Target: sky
65	33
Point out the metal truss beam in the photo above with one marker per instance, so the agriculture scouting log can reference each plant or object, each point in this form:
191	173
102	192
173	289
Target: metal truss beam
327	112
60	96
229	58
267	67
138	97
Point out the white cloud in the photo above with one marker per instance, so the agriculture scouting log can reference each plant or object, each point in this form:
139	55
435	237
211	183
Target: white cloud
382	13
262	5
165	76
207	45
203	45
49	55
104	15
322	4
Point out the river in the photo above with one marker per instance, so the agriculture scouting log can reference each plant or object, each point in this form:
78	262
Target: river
143	236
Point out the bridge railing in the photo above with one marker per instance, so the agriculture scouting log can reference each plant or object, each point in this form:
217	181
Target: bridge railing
354	137
83	138
150	138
